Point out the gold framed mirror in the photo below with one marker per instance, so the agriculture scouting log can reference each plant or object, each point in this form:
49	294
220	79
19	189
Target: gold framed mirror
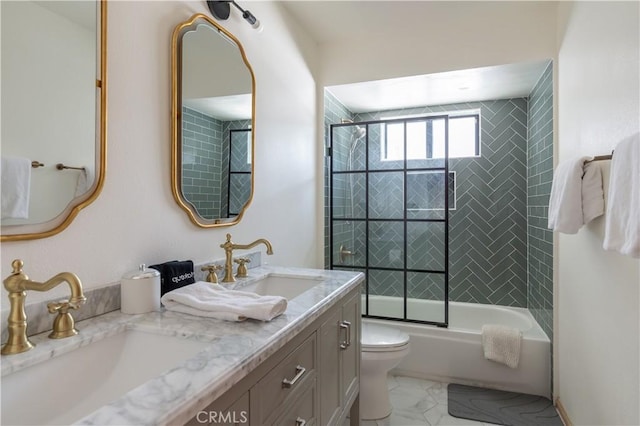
54	113
213	123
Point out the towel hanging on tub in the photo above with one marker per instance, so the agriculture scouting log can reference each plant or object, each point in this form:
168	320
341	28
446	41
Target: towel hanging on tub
501	344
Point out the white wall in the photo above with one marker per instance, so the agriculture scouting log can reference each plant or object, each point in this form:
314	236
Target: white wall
48	101
135	219
597	331
212	66
442	36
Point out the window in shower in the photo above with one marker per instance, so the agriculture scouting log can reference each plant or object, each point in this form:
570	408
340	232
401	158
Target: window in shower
425	138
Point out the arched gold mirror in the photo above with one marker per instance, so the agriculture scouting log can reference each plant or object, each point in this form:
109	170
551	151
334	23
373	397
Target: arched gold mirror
54	98
213	128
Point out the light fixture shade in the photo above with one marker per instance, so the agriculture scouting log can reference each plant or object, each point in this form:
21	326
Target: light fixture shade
219	8
248	16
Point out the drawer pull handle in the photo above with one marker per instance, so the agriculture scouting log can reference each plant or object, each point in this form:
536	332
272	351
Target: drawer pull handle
347	326
345	343
348	332
300	422
286	383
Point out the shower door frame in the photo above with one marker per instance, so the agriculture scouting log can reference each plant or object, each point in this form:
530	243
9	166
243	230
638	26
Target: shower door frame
405	220
231	172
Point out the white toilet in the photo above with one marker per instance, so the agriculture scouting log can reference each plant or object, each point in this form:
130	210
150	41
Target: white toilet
382	349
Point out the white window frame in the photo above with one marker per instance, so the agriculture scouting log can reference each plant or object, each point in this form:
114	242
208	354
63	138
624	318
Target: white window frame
450	114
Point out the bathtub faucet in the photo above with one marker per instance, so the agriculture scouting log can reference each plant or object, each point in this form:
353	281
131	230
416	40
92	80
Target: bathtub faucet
17	284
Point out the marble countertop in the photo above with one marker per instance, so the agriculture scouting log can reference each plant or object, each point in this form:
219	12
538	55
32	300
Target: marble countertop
235	349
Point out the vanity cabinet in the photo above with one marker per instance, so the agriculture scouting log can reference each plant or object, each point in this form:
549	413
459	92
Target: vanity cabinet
313	380
339	348
284	385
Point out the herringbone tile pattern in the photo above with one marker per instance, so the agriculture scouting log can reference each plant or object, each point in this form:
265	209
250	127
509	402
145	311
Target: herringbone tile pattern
487	235
237	150
386	195
240	189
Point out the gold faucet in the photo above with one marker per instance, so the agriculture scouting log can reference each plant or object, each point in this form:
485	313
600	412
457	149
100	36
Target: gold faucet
229	246
63	326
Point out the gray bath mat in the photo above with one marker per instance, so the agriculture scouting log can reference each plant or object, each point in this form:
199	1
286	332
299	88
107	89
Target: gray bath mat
500	407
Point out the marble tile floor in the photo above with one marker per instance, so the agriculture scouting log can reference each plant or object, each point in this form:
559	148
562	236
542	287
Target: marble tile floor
418	402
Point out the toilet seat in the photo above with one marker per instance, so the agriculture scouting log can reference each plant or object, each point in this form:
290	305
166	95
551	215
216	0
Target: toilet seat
378	338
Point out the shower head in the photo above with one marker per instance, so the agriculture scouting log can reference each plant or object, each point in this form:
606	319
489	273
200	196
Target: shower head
360	132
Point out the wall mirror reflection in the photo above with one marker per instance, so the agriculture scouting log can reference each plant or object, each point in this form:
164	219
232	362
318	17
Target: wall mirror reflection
213	110
53	113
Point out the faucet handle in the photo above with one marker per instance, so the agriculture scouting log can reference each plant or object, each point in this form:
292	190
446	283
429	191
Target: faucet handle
63	324
242	267
211	276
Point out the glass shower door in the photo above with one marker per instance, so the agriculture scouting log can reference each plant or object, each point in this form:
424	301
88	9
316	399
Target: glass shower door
239	186
389	215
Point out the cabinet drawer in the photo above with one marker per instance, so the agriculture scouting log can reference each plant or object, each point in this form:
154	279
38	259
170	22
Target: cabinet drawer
285	382
304	411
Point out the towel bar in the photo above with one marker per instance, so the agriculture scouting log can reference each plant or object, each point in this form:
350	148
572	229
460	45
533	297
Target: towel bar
61	166
600	158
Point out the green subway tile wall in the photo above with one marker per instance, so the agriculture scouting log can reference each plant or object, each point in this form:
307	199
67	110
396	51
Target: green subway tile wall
334	112
495	255
205	158
202	174
539	176
487	231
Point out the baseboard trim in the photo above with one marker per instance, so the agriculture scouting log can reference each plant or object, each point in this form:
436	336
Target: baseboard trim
563	413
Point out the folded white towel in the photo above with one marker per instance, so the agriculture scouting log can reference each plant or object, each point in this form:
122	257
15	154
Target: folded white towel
214	301
501	344
15	178
576	195
622	221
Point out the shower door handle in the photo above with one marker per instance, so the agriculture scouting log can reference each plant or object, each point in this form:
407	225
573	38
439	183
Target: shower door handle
344	253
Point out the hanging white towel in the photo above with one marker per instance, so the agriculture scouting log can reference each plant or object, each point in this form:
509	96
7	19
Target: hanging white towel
577	196
565	202
214	301
592	192
501	344
85	180
622	221
15	186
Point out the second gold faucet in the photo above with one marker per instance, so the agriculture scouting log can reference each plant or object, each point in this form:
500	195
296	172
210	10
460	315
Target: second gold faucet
229	246
17	284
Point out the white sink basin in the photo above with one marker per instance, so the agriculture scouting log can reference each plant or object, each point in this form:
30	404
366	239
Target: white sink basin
287	286
66	388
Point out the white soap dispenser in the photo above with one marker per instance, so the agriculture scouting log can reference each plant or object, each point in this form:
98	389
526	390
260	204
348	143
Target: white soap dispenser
140	291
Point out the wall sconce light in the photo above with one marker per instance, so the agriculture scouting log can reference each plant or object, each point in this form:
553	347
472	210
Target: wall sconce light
221	10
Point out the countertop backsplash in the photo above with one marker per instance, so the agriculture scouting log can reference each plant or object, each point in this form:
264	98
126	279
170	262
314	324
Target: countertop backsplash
101	300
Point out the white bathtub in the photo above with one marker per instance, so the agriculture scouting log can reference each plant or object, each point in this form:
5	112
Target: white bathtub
455	354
